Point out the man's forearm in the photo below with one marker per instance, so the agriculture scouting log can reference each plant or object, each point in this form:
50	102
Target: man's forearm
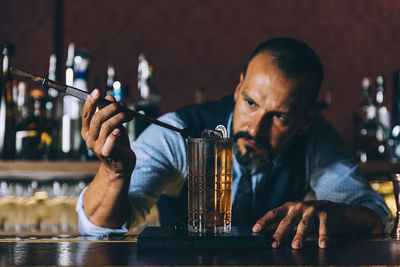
358	219
106	199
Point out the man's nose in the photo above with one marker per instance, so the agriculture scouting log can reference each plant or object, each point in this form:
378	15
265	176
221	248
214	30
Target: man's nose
258	125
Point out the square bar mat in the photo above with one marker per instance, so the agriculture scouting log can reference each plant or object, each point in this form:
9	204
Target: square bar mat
168	238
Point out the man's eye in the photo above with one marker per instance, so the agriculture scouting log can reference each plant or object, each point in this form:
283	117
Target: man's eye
249	102
281	118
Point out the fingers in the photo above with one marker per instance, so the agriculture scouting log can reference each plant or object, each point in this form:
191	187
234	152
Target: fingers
101	116
296	215
102	124
323	230
285	226
270	217
303	228
110	143
88	110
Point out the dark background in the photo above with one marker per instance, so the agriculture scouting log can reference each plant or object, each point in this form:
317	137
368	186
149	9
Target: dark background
205	43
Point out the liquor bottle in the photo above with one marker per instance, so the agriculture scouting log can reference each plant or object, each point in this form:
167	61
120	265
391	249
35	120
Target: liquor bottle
7	105
33	134
53	108
383	112
22	107
70	107
76	74
369	142
148	102
51	105
118	92
110	79
14	91
394	139
81	72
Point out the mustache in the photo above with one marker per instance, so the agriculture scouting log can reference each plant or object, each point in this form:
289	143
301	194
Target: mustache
258	140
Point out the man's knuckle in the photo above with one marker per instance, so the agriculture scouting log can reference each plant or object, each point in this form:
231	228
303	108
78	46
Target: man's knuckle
306	222
106	127
273	213
287	221
97	119
115	106
311	209
323	214
299	205
90	144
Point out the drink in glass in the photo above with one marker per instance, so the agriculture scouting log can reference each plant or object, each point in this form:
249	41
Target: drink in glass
209	184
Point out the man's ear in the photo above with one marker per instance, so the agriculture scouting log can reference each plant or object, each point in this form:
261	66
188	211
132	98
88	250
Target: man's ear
238	86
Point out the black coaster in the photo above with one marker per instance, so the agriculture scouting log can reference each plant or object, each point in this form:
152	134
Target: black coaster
170	238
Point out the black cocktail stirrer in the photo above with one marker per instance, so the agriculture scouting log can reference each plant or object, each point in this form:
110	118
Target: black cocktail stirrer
72	91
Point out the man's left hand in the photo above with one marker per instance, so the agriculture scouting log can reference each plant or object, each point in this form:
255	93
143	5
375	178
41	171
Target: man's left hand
325	216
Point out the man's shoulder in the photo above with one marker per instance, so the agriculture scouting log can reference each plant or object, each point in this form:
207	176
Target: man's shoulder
206	115
322	135
320	124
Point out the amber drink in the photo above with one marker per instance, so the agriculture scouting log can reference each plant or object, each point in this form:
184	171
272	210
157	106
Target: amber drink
209	184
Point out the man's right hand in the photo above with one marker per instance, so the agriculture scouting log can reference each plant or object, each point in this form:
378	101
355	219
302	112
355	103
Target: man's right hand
106	198
105	136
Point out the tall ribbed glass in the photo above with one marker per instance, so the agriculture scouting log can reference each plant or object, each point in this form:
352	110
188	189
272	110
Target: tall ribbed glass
209	184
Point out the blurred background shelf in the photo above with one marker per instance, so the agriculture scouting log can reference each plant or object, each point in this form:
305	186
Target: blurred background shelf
48	170
379	170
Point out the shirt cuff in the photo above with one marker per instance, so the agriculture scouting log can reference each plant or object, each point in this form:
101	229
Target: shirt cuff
86	227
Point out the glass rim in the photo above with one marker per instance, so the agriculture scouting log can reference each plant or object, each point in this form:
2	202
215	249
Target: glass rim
209	140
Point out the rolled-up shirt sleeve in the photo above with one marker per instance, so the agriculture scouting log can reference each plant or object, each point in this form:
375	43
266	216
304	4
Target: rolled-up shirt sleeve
160	169
86	227
334	174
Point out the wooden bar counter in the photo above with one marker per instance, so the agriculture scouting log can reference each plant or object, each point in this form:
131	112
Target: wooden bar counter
122	251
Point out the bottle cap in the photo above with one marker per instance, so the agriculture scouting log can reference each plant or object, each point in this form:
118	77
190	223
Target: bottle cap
365	82
7	49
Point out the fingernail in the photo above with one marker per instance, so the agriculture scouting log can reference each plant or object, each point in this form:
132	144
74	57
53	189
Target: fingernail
296	244
256	228
275	243
322	244
95	93
116	131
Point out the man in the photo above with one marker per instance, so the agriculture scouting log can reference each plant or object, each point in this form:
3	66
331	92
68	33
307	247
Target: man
284	154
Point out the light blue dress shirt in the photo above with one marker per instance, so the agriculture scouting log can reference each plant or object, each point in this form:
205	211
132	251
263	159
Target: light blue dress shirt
316	167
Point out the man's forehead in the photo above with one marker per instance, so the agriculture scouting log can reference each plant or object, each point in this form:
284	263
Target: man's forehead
291	93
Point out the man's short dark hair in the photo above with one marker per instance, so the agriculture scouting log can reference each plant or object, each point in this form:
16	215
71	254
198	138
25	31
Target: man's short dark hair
295	59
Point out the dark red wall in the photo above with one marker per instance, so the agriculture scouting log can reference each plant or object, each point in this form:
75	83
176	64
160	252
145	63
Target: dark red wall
194	43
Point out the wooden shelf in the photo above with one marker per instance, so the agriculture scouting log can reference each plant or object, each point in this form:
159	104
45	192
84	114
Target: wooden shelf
48	170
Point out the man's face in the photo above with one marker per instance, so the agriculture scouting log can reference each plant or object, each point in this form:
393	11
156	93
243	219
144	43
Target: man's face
270	109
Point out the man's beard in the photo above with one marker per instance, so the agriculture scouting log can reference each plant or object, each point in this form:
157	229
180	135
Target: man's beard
255	161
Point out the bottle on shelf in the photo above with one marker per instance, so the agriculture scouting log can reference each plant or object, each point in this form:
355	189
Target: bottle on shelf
383	112
54	108
148	102
70	107
394	138
369	141
22	107
110	79
77	67
7	105
33	134
81	73
113	86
